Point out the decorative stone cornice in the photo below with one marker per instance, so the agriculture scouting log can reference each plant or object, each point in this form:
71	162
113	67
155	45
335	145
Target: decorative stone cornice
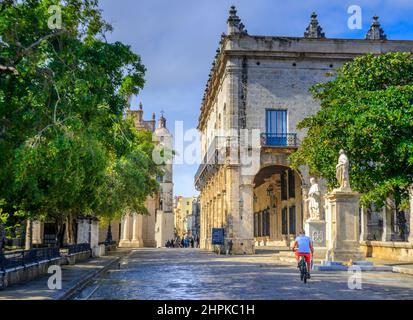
375	32
314	30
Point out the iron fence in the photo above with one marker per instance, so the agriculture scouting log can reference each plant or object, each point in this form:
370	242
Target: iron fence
24	257
76	248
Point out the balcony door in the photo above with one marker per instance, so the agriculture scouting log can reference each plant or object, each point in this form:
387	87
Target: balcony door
276	127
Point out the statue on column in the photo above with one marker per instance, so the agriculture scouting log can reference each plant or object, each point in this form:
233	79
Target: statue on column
342	169
313	200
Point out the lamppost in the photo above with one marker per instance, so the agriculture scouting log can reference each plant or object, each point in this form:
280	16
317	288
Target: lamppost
109	234
270	193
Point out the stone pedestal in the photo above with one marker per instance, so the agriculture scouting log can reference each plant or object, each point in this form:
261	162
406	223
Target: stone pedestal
243	246
94	233
38	230
363	227
316	230
125	241
388	234
342	217
83	230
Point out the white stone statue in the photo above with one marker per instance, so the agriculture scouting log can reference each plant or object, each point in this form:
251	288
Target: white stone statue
313	200
342	171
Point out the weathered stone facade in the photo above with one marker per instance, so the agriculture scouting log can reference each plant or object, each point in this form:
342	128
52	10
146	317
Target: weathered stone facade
258	83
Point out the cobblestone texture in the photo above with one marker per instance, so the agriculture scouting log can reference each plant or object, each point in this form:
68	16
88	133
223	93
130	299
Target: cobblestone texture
194	274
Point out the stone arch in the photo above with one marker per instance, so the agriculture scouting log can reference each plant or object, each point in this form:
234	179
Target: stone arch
278	202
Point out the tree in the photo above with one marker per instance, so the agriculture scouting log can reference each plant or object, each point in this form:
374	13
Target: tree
64	140
367	110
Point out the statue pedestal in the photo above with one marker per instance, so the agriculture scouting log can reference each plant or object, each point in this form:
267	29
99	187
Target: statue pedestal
316	230
342	216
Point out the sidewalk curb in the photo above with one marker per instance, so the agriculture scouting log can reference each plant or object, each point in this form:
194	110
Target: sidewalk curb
403	270
86	280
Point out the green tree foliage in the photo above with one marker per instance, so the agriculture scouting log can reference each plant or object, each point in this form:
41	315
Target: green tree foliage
66	148
367	110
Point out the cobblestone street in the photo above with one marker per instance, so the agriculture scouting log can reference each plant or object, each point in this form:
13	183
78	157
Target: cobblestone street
194	274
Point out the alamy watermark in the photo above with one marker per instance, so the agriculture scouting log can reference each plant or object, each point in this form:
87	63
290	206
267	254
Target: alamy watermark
55	20
55	280
355	21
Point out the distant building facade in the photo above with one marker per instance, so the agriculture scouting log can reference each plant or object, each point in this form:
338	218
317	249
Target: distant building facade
185	217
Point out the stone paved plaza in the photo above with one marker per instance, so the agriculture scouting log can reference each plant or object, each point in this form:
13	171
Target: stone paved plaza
194	274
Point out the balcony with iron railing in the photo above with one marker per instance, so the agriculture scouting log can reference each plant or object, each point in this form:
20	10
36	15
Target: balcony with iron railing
219	148
211	160
279	140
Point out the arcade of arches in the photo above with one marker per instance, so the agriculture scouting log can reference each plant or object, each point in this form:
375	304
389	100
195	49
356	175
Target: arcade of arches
278	208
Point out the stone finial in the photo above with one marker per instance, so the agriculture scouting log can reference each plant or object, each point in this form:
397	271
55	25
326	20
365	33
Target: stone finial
153	116
139	114
314	30
375	32
235	26
162	121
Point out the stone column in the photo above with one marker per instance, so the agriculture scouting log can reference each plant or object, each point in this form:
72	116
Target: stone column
136	231
37	232
221	211
304	194
83	230
214	211
363	222
387	221
94	233
343	224
411	215
245	239
125	241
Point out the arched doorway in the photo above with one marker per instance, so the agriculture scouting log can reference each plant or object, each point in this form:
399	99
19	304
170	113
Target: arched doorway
278	208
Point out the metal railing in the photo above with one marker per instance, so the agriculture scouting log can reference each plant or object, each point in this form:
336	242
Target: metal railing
24	257
77	248
279	139
214	156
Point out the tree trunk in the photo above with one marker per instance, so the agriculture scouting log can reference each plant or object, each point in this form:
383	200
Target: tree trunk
60	229
71	229
29	235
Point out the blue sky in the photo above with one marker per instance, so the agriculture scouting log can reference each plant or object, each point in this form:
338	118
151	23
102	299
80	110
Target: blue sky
177	40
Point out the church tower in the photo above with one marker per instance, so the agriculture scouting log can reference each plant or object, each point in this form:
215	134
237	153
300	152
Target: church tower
164	221
155	229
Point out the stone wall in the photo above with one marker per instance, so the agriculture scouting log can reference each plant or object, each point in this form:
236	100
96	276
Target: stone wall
399	251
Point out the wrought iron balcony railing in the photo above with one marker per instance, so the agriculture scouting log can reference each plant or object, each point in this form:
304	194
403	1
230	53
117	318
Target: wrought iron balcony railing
279	140
212	158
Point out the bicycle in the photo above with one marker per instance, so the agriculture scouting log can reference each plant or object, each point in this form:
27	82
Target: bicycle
303	269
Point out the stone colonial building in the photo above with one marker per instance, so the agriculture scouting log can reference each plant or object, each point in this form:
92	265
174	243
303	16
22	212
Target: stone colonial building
257	93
